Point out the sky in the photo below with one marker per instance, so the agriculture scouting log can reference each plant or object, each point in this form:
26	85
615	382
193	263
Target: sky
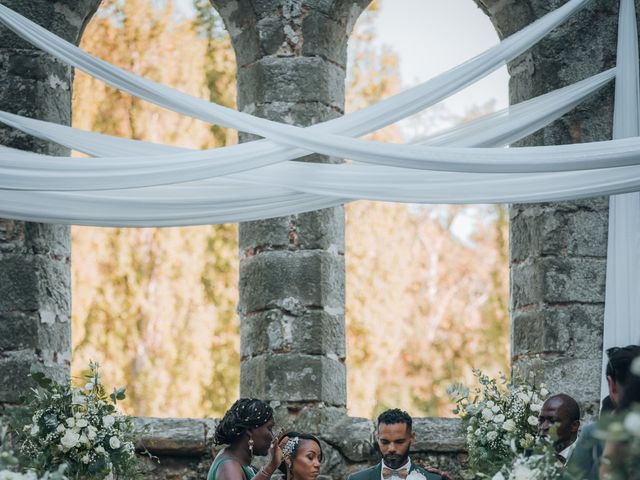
432	36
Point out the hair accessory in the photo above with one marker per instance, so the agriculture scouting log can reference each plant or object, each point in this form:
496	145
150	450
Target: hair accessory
290	447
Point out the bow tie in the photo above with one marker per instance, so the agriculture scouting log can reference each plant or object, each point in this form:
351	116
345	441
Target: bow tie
401	472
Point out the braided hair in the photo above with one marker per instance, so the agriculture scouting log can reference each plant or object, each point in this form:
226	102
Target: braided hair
244	414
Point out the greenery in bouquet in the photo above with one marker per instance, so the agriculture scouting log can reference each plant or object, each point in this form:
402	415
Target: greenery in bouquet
538	463
79	427
623	432
10	468
501	420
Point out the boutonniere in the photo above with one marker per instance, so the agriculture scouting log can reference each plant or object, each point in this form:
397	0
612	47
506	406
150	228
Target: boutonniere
416	475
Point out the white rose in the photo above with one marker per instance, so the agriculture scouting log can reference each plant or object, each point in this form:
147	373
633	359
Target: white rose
525	397
416	475
70	439
89	386
78	399
533	421
100	449
490	404
535	407
60	428
495	409
35	429
114	443
91	433
82	423
85	459
84	440
71	422
635	366
498	476
108	421
509	425
499	418
632	423
522	472
543	391
487	414
491	436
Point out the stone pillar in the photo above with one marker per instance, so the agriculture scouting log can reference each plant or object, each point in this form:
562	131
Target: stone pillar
291	58
558	250
35	290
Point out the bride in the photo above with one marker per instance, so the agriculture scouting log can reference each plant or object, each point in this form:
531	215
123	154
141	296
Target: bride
301	456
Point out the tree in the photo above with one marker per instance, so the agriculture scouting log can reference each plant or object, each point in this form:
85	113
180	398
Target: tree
156	306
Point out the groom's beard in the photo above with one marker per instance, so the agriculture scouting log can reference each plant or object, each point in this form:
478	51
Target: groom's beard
396	460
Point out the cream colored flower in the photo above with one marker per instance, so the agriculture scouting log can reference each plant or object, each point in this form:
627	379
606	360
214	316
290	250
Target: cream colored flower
509	425
114	442
635	366
487	414
632	423
533	421
499	418
536	407
108	421
70	439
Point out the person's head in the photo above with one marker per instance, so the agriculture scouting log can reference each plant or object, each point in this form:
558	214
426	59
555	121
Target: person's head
301	456
607	405
248	423
631	390
564	412
395	435
618	366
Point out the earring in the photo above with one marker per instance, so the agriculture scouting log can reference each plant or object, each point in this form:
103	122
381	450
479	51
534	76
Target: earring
251	446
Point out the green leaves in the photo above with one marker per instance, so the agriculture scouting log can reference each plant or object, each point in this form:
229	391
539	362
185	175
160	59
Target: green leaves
118	394
41	379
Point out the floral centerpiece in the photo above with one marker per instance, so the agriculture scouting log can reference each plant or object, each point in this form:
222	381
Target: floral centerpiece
501	420
78	427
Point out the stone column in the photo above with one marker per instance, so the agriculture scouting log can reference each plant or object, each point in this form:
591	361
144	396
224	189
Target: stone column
35	290
291	58
558	250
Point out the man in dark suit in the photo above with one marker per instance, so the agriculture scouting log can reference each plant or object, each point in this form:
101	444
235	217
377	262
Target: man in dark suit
395	435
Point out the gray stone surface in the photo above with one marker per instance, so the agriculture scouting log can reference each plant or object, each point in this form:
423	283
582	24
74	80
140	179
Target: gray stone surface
34	259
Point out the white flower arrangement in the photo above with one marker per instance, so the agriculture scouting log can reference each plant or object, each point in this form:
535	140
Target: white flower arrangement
501	420
79	428
623	430
416	475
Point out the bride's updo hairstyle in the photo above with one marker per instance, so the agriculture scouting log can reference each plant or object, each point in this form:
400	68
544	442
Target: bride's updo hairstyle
244	414
290	449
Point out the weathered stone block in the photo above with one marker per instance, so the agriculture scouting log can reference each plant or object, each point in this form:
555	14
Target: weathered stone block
325	37
558	329
317	230
174	436
294	378
291	281
568	373
16	365
573	279
20	331
291	80
315	332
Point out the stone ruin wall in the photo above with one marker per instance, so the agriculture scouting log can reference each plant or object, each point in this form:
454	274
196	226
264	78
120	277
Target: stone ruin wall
291	59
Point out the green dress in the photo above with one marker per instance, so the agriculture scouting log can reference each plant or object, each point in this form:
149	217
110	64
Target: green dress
248	471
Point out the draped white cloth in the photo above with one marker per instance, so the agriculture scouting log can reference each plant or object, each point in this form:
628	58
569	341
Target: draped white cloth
622	297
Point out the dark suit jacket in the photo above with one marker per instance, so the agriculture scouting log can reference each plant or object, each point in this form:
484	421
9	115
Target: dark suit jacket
375	472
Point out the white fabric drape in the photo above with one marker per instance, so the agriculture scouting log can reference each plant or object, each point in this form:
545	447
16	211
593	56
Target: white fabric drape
321	138
622	298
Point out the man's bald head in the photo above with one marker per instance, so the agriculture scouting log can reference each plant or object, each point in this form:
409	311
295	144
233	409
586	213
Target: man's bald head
564	412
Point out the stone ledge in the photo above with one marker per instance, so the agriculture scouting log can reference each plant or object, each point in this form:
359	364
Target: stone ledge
188	437
352	436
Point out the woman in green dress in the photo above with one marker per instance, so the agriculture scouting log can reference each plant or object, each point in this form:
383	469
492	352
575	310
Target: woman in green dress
246	430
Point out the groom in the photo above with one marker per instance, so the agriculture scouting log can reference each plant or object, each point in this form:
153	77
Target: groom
394	435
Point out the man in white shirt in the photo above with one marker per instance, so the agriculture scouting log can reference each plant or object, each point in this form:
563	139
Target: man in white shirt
563	412
394	434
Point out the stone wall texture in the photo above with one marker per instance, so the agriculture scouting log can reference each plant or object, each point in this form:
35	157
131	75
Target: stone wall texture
291	57
35	295
558	250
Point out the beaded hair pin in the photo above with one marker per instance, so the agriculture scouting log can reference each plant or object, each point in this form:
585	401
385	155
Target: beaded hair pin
290	447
